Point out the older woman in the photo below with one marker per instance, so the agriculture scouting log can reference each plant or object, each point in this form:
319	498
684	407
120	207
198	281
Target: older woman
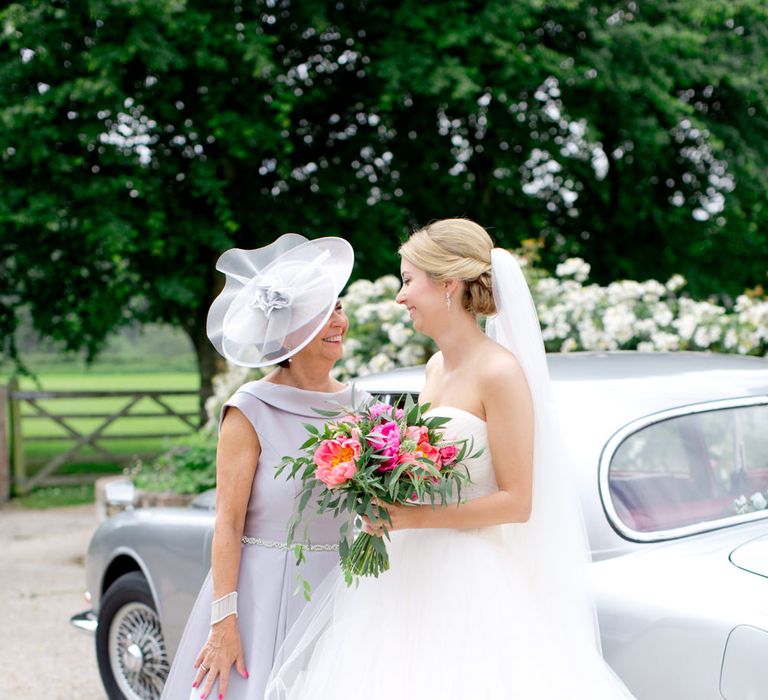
279	307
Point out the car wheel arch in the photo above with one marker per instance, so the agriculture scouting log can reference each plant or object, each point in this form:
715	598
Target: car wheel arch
123	562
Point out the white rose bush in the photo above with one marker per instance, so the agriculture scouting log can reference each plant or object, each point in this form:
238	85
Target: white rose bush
649	316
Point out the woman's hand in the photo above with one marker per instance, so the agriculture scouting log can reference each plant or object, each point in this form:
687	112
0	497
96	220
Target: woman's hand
215	660
403	518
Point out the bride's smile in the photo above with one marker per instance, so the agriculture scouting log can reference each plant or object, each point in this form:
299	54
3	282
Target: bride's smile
423	296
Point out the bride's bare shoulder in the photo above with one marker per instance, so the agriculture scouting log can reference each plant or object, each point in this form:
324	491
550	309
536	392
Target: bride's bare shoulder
498	368
434	364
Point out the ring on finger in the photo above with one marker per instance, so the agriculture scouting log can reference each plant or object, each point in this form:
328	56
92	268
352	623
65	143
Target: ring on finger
204	667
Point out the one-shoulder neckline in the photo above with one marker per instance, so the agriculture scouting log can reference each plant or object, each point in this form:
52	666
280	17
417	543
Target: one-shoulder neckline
437	409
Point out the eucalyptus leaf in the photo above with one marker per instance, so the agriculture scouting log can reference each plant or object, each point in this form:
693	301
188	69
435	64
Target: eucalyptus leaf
328	414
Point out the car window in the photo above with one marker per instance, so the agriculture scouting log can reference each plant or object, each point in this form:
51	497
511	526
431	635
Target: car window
691	469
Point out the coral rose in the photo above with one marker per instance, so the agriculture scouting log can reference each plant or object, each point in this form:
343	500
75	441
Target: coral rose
417	433
422	449
335	460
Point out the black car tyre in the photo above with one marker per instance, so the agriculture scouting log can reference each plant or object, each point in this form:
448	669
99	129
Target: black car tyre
130	648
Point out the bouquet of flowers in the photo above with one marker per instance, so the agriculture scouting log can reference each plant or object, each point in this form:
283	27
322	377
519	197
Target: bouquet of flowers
379	454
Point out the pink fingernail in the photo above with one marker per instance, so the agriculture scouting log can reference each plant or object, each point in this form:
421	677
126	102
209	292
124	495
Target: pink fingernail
221	696
245	674
194	684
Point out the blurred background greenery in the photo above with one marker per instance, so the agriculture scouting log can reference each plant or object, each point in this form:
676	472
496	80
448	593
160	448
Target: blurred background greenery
139	140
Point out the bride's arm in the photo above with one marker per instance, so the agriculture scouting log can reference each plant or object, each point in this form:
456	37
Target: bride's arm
509	414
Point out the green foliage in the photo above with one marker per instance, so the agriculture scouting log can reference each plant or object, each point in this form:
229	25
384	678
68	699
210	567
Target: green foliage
139	140
189	467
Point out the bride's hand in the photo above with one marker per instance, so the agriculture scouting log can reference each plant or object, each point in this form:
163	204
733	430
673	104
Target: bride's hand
215	659
403	518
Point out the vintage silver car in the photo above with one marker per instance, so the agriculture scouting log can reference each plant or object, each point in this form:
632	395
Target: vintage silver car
671	452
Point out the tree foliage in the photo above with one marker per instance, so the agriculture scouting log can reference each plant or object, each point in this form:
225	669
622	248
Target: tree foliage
139	139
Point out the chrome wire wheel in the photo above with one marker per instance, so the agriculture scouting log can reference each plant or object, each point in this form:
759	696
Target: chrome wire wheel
137	655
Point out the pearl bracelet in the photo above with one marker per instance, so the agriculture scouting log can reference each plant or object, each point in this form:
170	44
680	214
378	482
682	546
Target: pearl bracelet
224	607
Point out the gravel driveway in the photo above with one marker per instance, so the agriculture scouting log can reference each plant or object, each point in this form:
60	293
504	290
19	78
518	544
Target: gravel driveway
42	578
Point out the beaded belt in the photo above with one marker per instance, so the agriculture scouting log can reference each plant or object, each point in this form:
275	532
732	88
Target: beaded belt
271	544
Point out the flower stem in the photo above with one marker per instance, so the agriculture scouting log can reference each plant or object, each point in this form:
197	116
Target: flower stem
364	559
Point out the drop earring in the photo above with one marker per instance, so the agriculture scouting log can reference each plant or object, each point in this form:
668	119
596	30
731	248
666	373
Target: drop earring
448	300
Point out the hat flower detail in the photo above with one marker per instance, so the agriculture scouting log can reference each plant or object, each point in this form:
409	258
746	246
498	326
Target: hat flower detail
267	299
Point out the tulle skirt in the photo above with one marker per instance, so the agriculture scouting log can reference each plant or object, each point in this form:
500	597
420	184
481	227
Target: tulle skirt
455	618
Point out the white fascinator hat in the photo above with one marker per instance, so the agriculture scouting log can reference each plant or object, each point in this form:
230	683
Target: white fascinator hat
277	298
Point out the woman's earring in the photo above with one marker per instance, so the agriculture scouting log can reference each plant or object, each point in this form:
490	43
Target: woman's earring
448	300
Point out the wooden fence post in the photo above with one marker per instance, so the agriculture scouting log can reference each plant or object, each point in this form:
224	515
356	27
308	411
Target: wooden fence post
5	464
17	439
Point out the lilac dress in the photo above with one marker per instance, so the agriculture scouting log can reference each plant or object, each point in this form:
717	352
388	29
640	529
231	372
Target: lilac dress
267	605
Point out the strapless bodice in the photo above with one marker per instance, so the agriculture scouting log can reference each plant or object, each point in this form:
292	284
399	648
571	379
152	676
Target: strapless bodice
464	425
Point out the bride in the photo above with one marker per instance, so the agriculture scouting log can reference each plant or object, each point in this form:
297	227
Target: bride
489	598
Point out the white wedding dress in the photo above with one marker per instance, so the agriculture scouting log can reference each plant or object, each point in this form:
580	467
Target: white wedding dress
457	617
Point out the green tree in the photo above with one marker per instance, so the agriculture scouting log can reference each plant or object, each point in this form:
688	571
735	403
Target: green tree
141	139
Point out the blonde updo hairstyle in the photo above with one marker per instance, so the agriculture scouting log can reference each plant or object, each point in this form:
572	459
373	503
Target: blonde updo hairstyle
456	249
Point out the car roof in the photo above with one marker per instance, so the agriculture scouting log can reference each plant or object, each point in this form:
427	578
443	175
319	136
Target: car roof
619	387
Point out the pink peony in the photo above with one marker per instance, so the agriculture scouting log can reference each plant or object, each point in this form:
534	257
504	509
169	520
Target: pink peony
335	460
385	438
384	433
448	454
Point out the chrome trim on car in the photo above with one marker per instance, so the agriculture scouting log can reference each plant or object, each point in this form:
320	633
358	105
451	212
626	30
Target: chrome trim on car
609	450
86	621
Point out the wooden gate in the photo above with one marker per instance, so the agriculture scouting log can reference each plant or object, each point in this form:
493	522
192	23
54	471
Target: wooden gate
15	413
